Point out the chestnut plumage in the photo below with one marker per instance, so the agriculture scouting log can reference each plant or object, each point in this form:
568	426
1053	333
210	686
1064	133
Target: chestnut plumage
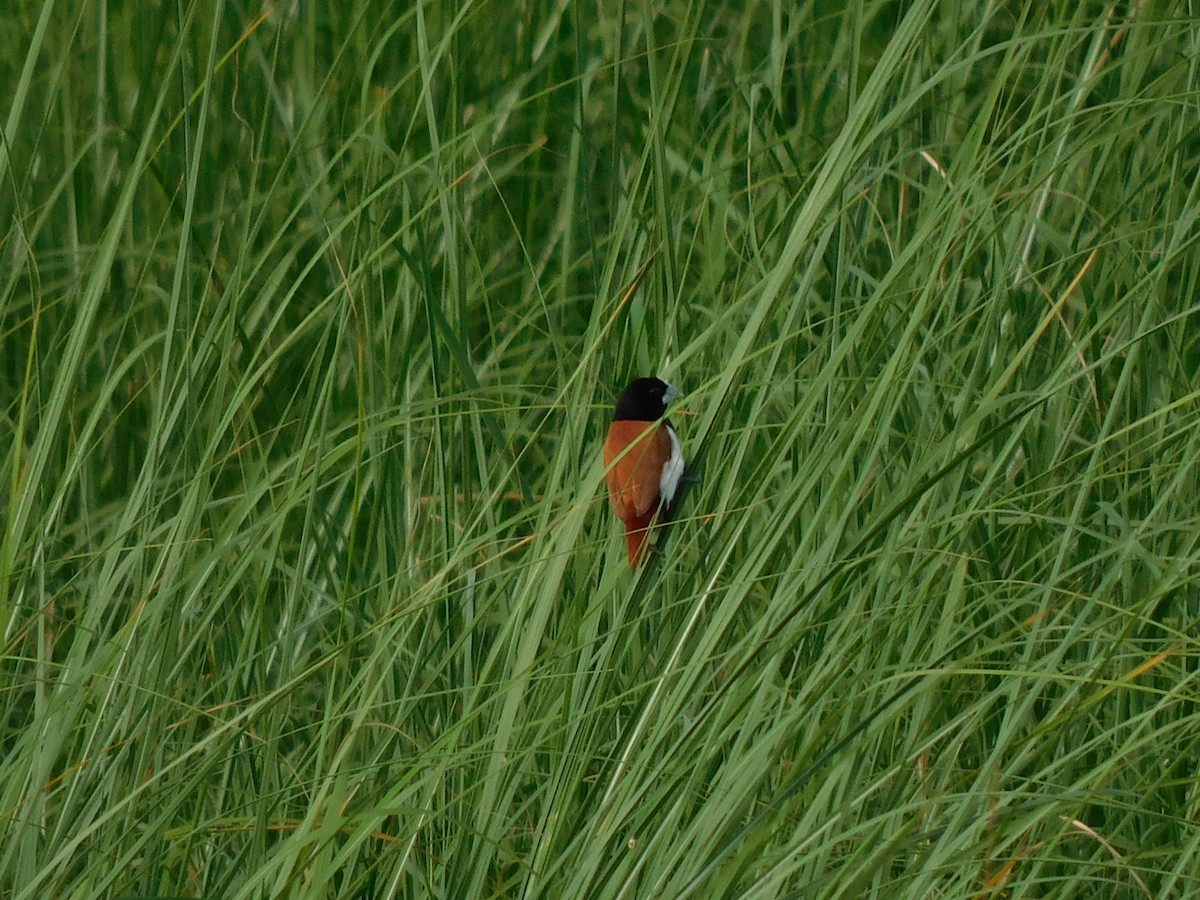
643	460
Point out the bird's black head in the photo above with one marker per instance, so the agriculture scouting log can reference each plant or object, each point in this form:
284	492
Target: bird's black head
645	400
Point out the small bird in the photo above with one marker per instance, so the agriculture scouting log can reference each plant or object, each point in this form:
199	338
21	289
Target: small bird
643	461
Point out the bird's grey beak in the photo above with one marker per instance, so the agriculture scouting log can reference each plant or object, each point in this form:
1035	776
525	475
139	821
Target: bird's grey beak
672	394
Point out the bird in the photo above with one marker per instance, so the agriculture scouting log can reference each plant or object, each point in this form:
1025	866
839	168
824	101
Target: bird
642	460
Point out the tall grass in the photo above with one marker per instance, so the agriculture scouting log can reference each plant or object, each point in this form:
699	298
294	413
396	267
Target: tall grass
311	319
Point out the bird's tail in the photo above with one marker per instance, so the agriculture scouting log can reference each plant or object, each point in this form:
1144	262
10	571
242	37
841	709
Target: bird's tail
637	530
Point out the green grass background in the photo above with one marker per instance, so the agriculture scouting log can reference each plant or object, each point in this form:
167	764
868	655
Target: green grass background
311	320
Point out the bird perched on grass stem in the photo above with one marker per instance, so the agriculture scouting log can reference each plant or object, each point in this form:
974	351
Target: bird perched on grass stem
643	461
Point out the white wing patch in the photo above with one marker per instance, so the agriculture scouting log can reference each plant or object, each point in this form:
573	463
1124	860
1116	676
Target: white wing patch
672	470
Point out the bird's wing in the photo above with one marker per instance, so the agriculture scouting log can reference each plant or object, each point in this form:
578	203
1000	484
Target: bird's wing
634	476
